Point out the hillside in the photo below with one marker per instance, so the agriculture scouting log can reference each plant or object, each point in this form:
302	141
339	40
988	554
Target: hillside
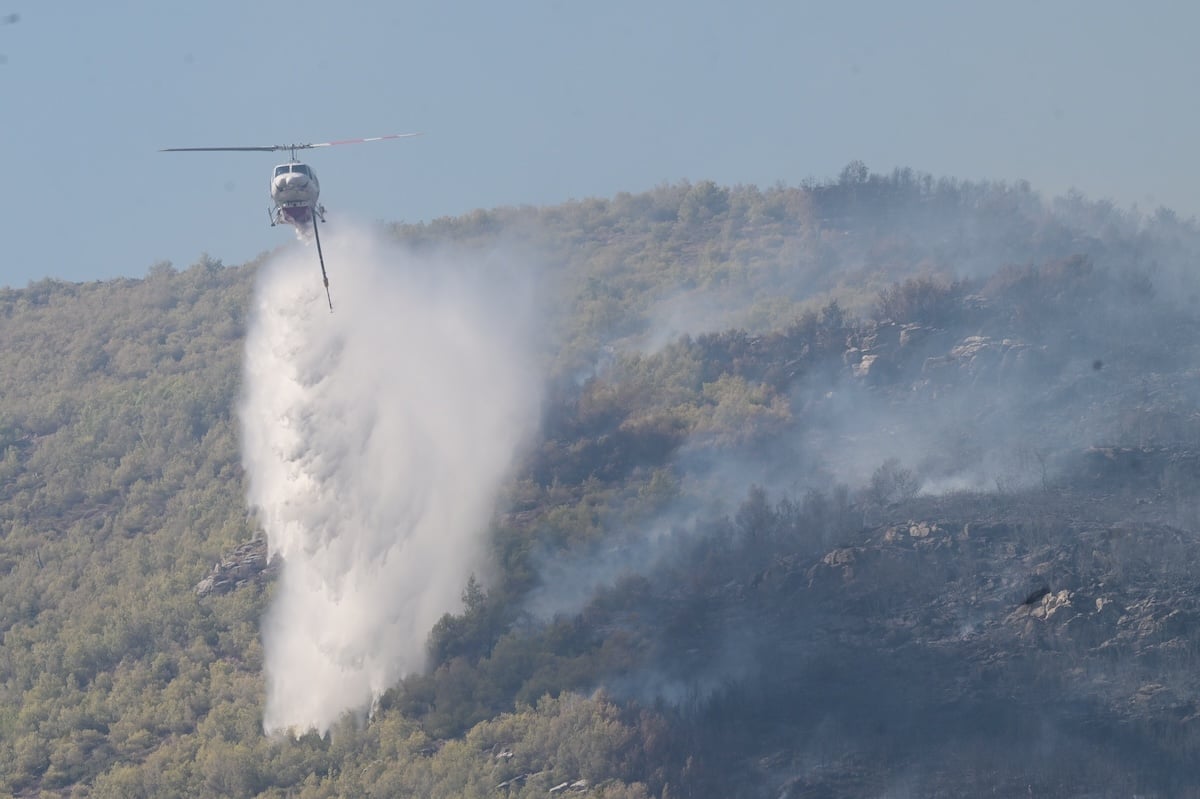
879	485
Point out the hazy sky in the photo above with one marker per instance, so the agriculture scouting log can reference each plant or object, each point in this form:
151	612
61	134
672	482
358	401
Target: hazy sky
537	102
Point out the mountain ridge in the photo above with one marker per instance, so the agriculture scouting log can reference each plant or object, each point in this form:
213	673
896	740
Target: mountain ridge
800	449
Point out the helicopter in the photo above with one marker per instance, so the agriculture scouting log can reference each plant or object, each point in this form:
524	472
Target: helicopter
295	189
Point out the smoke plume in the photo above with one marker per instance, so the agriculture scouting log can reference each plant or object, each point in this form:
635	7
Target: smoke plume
374	439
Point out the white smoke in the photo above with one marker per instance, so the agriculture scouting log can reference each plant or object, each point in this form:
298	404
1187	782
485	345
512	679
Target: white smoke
374	439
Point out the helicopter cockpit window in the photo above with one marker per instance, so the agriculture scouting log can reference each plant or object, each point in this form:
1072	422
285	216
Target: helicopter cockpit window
282	169
302	169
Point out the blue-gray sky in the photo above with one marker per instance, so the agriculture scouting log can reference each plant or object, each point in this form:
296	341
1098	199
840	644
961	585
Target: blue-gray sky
540	101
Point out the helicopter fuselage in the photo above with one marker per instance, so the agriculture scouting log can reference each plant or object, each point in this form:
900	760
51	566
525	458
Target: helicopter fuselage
295	191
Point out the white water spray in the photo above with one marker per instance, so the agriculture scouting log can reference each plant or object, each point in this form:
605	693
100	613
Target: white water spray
374	439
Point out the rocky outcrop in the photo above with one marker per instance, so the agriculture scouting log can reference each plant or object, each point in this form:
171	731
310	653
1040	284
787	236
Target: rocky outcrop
883	353
247	563
982	357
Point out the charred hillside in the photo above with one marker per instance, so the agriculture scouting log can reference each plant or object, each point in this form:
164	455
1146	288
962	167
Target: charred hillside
946	546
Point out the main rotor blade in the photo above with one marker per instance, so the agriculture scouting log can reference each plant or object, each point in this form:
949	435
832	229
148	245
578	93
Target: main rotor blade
216	149
360	141
275	147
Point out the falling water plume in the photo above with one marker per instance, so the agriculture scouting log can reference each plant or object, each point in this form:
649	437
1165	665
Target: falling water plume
374	440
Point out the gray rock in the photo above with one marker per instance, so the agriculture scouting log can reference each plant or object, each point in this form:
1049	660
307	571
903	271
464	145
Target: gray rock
247	563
